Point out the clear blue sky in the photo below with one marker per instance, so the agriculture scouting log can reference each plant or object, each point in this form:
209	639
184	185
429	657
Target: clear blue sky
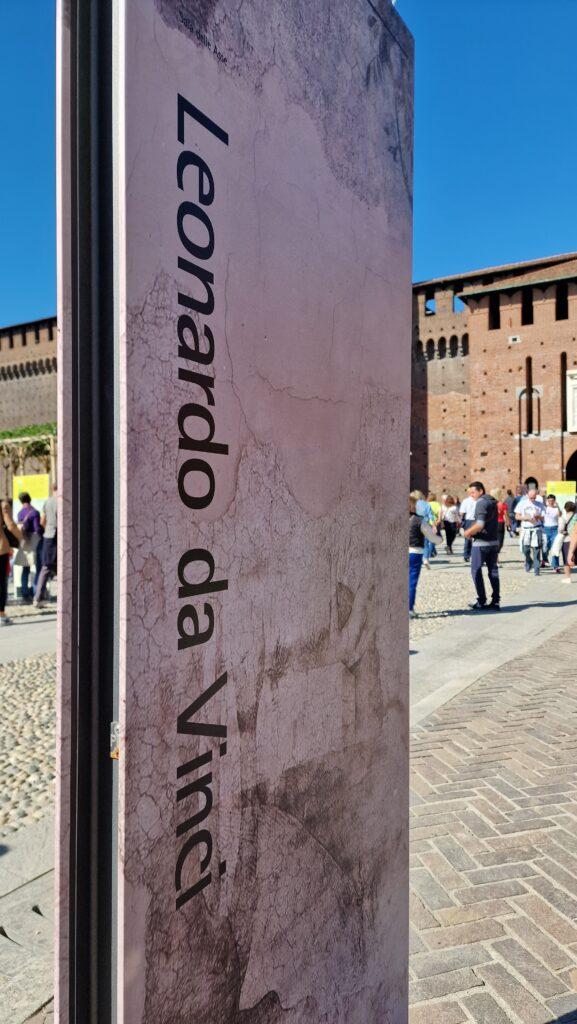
496	131
27	172
496	139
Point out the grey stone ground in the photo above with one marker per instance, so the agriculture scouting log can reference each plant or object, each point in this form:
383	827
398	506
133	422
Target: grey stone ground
493	819
446	588
45	1016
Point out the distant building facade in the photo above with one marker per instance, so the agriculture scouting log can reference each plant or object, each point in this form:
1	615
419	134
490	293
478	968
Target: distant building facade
494	373
28	374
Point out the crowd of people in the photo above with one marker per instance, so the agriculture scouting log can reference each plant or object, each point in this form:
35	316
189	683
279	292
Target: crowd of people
29	541
546	532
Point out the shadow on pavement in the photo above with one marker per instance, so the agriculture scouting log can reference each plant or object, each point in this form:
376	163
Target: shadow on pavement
451	612
48	616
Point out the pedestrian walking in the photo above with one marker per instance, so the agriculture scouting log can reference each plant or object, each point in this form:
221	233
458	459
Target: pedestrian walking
419	531
467	512
49	523
451	522
552	513
569	521
26	556
556	549
502	515
529	513
519	493
572	547
10	537
425	511
484	536
510	503
435	521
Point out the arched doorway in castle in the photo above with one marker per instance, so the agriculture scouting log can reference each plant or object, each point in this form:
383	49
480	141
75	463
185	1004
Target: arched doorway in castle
571	468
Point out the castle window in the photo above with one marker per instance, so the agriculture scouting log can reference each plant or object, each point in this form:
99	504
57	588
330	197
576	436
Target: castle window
572	401
442	348
527	306
430	349
563	390
458	304
494	311
465	345
420	352
430	302
529	395
562	301
454	346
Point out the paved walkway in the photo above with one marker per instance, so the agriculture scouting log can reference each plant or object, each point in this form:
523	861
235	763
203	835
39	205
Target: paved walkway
445	590
32	632
494	843
493	828
470	644
26	922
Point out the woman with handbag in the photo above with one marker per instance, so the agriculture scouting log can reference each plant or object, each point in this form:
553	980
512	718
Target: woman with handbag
10	537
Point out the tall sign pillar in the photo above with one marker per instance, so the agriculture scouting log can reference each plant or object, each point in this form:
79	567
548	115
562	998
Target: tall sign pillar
235	316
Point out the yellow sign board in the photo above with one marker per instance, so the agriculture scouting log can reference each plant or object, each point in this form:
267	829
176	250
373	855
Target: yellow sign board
564	490
561	486
37	485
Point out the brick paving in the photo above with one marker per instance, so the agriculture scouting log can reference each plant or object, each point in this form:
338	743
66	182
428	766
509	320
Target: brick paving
494	848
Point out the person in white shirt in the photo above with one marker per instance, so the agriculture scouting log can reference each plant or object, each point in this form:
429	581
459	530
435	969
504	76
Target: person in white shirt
451	521
530	513
550	525
467	511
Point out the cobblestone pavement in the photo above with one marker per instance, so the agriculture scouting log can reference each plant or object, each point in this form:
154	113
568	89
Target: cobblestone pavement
494	848
27	740
447	587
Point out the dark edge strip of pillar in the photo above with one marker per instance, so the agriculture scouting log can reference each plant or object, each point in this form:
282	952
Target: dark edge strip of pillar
92	497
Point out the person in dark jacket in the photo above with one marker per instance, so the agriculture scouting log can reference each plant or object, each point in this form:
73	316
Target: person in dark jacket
485	547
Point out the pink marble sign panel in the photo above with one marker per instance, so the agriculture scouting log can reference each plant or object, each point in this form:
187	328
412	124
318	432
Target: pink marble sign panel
265	236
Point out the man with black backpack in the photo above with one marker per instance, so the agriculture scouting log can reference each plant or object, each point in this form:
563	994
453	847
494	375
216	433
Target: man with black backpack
484	534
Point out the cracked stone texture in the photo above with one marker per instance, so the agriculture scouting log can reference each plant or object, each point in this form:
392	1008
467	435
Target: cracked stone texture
312	224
